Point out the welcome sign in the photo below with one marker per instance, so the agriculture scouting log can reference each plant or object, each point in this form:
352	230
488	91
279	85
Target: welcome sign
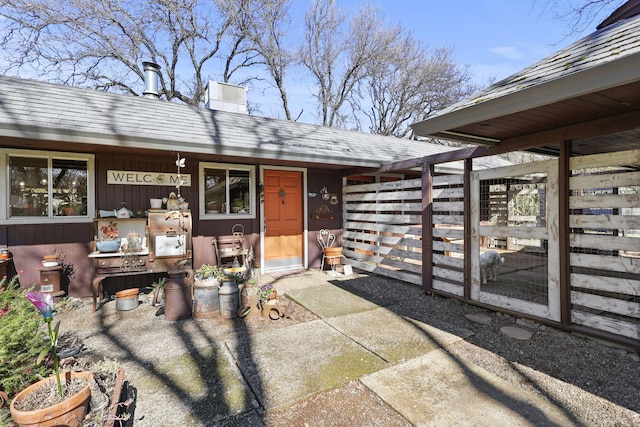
148	178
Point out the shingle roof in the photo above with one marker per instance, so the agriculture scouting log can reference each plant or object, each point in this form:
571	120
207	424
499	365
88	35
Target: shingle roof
37	110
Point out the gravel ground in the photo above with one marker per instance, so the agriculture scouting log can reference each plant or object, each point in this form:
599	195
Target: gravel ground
598	384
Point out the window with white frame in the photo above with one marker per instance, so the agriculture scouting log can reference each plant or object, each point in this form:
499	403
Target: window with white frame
46	185
227	190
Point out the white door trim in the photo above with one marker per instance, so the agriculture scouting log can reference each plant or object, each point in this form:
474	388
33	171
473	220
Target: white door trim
305	249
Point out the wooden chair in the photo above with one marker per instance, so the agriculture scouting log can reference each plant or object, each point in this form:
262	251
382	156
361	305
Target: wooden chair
229	249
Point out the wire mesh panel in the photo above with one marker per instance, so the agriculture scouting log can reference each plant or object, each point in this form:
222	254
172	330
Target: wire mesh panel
510	254
383	228
448	233
605	242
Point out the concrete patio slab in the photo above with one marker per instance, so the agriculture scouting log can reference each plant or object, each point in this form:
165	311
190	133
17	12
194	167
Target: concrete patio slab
438	389
288	365
326	300
392	337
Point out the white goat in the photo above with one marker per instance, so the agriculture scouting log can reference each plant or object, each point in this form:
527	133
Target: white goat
489	263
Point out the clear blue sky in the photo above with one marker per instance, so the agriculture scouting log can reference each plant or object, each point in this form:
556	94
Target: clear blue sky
495	38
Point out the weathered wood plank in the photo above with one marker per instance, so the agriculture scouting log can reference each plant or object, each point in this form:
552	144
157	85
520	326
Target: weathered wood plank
604	283
514	171
447	287
474	233
381	251
409	230
448	180
606	263
608	200
448	247
394	274
449	261
448	219
382	239
612	243
620	158
615	326
515	304
624	179
445	273
553	244
383	218
520	232
383	186
448	206
610	305
449	233
384	207
378	196
605	221
447	193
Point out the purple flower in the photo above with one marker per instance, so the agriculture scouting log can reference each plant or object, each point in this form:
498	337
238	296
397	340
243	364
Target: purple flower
43	302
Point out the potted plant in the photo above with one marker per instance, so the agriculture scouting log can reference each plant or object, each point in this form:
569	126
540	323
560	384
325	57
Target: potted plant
266	293
237	205
109	241
68	405
209	275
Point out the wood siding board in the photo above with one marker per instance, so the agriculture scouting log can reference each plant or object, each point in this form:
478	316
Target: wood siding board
614	326
450	288
450	233
448	219
383	196
515	304
608	200
613	180
606	263
606	304
607	284
605	221
445	273
409	230
612	243
384	207
620	158
510	231
448	261
388	218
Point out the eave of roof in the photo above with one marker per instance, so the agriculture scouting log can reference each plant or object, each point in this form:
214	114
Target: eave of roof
605	59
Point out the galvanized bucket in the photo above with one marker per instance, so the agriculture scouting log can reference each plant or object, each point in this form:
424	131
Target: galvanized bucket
206	299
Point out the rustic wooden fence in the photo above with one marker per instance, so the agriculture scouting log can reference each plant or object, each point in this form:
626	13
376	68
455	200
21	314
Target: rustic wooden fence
515	210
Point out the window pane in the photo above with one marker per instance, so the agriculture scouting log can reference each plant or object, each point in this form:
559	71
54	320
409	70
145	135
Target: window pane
69	187
239	191
215	183
29	189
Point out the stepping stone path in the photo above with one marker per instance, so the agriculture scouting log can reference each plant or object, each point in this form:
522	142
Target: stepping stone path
483	319
515	332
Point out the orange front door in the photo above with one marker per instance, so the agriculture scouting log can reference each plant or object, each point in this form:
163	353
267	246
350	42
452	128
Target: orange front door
283	219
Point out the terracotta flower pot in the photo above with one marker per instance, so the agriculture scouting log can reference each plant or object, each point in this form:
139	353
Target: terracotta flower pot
70	412
333	255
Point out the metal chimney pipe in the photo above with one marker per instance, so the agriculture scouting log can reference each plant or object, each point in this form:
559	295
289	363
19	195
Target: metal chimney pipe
151	79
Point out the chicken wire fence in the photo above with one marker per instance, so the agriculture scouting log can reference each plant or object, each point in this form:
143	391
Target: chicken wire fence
513	224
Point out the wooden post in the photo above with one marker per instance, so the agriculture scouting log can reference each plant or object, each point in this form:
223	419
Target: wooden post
564	232
427	226
468	166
